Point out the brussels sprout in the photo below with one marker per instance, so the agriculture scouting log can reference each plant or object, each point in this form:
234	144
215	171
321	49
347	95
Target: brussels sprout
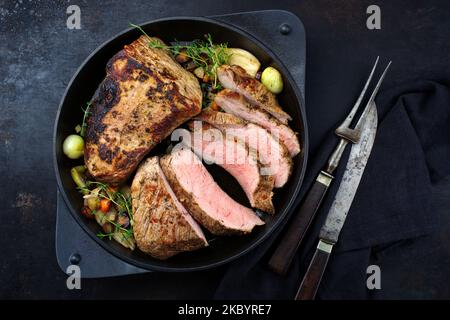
272	80
73	146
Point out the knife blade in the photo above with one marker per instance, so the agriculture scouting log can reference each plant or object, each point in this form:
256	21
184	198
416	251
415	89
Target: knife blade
350	181
340	207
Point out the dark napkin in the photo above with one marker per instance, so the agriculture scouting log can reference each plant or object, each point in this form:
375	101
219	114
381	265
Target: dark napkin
411	153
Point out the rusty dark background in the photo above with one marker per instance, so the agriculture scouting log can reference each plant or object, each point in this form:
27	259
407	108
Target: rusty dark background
39	55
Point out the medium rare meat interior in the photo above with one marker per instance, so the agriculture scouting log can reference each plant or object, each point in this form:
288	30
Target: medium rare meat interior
273	155
236	104
203	198
232	154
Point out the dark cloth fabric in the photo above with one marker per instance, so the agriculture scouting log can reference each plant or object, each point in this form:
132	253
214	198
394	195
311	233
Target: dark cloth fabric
394	201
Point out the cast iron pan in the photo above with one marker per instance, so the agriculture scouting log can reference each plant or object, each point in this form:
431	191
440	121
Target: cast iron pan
86	81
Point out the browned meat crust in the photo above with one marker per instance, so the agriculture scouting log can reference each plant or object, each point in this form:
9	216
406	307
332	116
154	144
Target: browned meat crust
145	95
236	79
217	118
162	227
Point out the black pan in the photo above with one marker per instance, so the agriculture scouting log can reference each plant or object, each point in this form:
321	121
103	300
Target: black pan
81	89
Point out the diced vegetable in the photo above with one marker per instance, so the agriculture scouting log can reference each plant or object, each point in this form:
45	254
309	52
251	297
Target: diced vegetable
244	59
73	146
92	199
190	65
214	106
125	190
272	80
77	174
123	221
93	203
199	72
206	78
125	239
85	211
111	215
108	227
182	57
105	204
100	217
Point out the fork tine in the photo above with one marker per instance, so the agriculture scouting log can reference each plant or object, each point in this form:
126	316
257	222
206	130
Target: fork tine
375	91
372	97
348	120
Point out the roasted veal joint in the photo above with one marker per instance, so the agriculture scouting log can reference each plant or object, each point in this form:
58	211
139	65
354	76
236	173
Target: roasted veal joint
203	198
213	146
146	94
236	79
162	226
273	155
235	103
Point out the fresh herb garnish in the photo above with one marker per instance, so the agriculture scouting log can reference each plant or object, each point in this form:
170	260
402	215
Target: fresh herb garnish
122	203
86	113
204	53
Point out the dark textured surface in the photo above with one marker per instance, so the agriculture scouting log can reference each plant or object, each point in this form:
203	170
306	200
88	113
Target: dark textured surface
38	56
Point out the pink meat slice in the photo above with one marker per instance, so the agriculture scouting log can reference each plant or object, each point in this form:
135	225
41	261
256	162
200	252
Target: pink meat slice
202	196
162	226
272	154
210	144
236	104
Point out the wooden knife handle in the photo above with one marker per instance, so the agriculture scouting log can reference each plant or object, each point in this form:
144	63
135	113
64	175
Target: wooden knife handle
311	280
284	253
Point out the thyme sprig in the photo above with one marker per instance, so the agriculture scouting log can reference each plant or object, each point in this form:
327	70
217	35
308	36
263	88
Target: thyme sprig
204	53
86	113
122	203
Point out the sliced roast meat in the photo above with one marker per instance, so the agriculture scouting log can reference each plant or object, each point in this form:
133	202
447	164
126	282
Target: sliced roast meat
203	198
235	103
213	146
162	226
219	118
236	79
272	154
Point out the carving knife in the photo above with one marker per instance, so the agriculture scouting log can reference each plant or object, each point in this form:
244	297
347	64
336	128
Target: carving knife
335	220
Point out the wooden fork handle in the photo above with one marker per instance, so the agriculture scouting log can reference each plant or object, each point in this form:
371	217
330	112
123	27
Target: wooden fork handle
284	253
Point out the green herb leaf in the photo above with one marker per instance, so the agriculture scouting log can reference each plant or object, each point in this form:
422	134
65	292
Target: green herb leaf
85	115
204	53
